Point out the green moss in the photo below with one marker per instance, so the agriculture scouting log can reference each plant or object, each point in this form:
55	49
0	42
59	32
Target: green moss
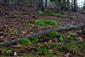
42	24
51	22
57	35
49	13
25	42
53	34
46	23
34	40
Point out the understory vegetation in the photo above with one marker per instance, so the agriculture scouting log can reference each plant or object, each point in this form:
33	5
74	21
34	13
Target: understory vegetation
26	25
46	23
47	45
50	13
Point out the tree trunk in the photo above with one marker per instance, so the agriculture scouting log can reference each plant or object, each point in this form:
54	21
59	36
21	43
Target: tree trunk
5	2
45	3
64	5
1	1
75	5
40	5
68	5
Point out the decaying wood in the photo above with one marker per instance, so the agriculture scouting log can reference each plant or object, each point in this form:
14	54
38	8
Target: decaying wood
63	28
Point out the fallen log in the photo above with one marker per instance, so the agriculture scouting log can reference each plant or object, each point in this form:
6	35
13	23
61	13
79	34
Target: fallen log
63	28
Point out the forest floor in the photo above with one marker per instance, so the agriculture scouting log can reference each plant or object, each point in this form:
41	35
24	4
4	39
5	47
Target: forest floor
19	22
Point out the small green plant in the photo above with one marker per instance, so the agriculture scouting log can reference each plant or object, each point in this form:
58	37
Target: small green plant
46	23
81	45
71	36
73	47
51	13
34	40
61	38
13	31
53	34
42	24
57	35
38	50
20	50
7	51
60	48
25	42
59	15
26	55
40	13
43	51
51	22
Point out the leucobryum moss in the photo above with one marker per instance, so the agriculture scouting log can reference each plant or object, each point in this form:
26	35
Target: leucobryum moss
25	42
46	23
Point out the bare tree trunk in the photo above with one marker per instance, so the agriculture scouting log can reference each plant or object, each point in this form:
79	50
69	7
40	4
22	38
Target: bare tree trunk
64	5
5	2
8	2
68	5
1	1
75	5
40	5
45	3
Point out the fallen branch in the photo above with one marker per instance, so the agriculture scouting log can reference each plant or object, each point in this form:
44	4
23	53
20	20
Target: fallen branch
64	28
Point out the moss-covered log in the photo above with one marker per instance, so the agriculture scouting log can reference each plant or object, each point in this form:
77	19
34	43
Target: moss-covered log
64	28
